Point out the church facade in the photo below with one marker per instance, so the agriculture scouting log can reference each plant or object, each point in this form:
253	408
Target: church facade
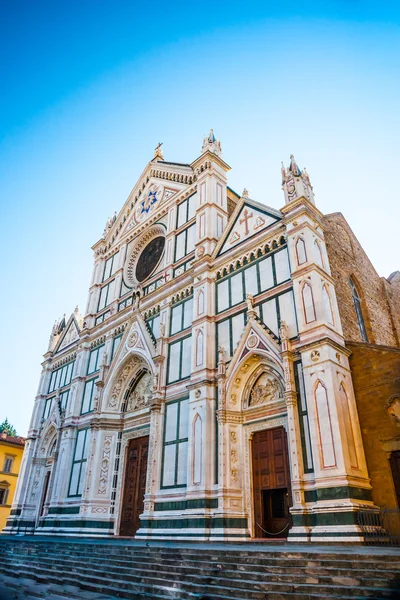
207	392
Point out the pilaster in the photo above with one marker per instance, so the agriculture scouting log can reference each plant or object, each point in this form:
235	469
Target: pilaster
339	485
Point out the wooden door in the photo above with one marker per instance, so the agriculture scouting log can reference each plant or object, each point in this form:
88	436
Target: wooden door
45	491
135	485
271	483
395	466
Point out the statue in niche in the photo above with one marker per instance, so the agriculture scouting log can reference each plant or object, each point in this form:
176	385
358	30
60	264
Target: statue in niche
393	408
265	390
140	396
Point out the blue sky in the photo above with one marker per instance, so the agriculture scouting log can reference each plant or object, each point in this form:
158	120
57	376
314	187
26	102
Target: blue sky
89	88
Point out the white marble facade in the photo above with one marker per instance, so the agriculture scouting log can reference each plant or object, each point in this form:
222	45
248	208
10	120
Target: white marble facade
210	317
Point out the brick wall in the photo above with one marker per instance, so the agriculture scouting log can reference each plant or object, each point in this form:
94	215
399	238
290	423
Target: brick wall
376	377
392	290
378	295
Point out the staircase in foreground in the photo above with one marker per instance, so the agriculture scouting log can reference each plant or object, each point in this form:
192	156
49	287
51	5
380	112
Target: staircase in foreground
188	571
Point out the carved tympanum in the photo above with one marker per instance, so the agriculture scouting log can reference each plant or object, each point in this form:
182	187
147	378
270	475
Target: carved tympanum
116	391
265	390
141	394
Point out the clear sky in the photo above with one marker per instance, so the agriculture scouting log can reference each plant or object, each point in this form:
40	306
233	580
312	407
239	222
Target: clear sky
88	88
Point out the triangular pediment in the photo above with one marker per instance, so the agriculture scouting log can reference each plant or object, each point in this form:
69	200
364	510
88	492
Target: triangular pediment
255	338
70	335
154	195
159	181
248	220
137	339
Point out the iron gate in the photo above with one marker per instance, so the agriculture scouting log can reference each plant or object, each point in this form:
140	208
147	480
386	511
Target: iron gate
380	527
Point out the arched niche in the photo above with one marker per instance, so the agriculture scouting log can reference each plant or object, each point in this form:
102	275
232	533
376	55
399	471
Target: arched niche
48	445
255	367
129	371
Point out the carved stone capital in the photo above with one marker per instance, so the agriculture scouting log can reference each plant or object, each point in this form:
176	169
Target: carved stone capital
155	404
229	416
290	398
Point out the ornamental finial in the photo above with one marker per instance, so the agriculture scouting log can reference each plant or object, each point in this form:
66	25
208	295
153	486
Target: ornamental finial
158	153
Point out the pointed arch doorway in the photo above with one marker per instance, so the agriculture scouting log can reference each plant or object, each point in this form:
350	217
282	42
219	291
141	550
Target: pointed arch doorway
137	397
134	485
271	483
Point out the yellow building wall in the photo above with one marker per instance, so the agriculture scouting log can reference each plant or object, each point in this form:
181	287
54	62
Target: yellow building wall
8	449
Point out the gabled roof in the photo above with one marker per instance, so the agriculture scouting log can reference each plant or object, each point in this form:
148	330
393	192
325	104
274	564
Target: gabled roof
248	219
10	439
158	181
70	335
255	337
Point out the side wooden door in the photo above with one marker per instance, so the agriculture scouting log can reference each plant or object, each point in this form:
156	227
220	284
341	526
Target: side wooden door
271	483
134	485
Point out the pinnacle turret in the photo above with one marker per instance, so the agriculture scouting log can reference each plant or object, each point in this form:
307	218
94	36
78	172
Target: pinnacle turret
211	143
296	183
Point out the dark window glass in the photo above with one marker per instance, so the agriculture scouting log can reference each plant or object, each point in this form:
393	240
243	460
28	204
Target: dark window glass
357	306
149	258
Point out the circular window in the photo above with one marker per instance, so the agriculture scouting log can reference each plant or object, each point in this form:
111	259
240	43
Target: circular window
149	258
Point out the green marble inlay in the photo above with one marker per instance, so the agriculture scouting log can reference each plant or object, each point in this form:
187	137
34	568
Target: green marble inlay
328	518
187	504
64	510
85	524
337	493
199	523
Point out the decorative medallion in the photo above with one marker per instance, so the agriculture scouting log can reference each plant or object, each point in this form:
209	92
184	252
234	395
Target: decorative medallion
291	188
314	355
146	206
252	341
133	339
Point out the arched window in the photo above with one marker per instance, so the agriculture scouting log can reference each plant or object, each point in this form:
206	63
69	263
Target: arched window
308	303
301	251
357	306
318	254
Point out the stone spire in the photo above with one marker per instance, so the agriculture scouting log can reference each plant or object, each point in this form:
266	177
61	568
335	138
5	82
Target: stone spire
296	183
212	144
293	168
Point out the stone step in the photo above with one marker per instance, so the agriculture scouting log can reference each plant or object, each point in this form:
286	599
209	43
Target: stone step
263	575
128	588
114	565
182	572
260	553
310	568
387	562
21	588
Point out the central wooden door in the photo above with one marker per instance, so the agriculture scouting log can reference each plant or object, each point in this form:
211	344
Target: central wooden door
271	483
135	485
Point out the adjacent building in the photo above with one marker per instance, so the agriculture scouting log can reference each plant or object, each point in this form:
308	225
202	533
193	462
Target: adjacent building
11	450
221	383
